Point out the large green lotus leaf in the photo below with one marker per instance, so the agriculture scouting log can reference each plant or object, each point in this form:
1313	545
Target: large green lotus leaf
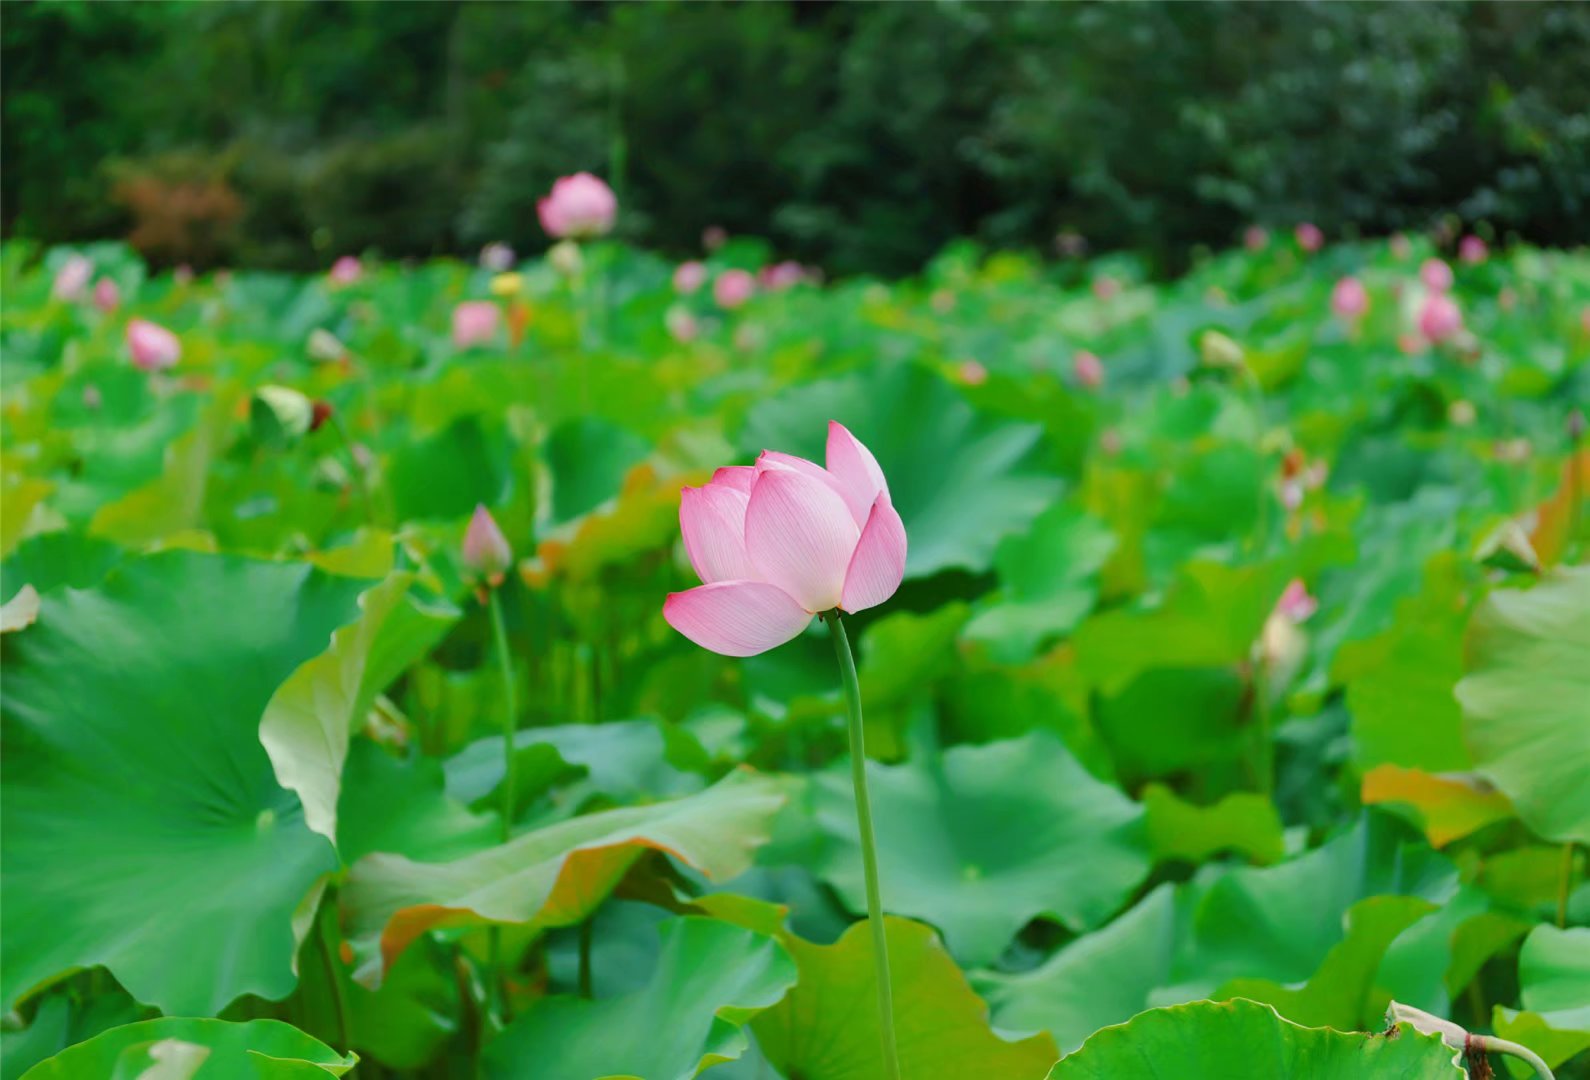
61	1019
399	806
59	558
446	475
1048	582
1171	721
134	779
987	838
552	876
827	1026
961	481
1101	978
1526	701
267	1049
588	458
711	978
1554	987
1243	821
1244	1040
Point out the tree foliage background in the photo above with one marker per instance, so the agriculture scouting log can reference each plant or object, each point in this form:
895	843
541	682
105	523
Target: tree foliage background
858	136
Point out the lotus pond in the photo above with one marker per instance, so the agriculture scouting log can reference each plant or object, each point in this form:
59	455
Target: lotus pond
1236	684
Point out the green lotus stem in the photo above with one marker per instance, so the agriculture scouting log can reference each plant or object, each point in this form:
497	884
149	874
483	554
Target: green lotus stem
510	715
328	963
1564	885
585	956
1492	1045
354	469
869	846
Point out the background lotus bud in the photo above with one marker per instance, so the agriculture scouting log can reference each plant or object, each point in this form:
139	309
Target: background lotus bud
1255	238
733	288
279	416
1217	350
1507	299
71	280
1309	236
1439	318
486	552
779	542
782	275
151	346
1401	246
324	346
1436	275
565	259
1071	244
971	373
1088	369
475	323
578	207
107	297
1455	1037
1472	250
681	325
497	257
713	237
182	275
92	398
1461	413
1349	299
689	276
346	270
1106	287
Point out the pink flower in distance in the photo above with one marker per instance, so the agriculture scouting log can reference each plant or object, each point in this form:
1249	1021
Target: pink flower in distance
1295	604
71	280
486	551
474	323
497	257
1106	287
107	297
733	288
1088	369
346	270
1436	275
682	326
1255	238
777	542
579	206
784	275
1472	250
714	236
689	276
182	275
1439	318
971	373
1308	236
152	347
1349	299
1401	246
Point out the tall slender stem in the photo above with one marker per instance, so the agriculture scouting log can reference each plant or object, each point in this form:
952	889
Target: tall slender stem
585	956
1492	1045
328	963
869	846
510	724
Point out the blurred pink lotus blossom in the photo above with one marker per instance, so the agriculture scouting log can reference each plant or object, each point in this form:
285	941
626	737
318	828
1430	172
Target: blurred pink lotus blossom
1349	299
151	346
474	323
1295	604
1507	299
107	297
1439	318
346	270
778	542
782	275
681	325
689	276
497	257
971	373
182	275
1255	238
1088	369
713	237
1472	250
71	280
733	288
1309	236
487	555
1401	246
1106	287
1436	275
580	207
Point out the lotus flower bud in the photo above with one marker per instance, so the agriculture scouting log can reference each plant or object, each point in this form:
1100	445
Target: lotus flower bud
1349	299
1088	369
1436	275
475	323
279	416
713	237
1255	238
1439	318
152	347
1216	350
487	555
1309	236
565	259
681	325
324	346
689	276
578	207
71	280
1472	250
346	270
107	297
497	257
733	288
1455	1037
1461	413
782	275
1401	246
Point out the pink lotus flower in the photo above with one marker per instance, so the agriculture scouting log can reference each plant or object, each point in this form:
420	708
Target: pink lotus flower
581	206
71	280
107	297
778	542
1472	250
1439	318
1088	369
1255	238
1401	246
152	347
1436	275
971	373
1295	604
689	276
1309	236
682	326
474	323
486	552
784	275
346	270
733	288
497	257
1349	299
